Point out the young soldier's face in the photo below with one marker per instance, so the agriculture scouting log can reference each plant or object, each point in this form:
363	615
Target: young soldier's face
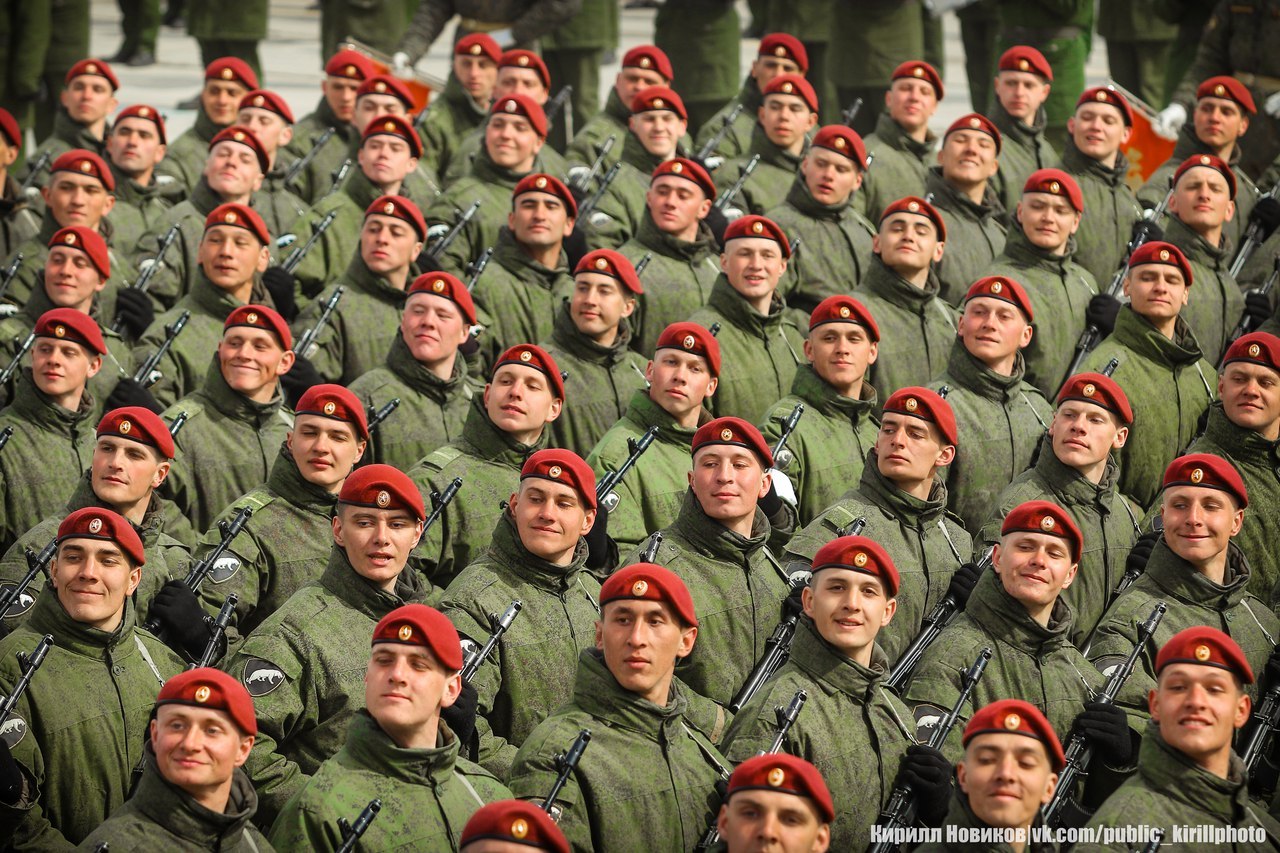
521	81
433	328
765	68
641	641
520	399
841	353
60	367
373	105
848	608
1047	220
230	255
197	749
728	482
405	687
1250	395
550	518
124	472
511	141
830	177
679	382
1156	291
1202	199
755	820
785	119
1034	567
907	242
325	450
1021	93
1083	434
377	541
233	170
340	93
1007	778
76	199
386	160
968	158
92	578
388	243
88	98
993	329
71	279
1198	709
753	266
909	449
221	100
477	74
271	129
631	81
134	145
659	131
675	204
540	220
911	102
1219	122
599	303
252	361
1098	130
1199	522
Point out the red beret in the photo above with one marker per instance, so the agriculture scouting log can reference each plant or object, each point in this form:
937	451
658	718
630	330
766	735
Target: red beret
536	358
92	68
1107	95
539	182
611	263
1208	161
564	467
690	171
9	127
526	59
1021	57
919	207
1157	252
785	46
68	324
94	522
524	106
1099	389
139	424
88	241
842	140
261	317
691	338
84	162
238	216
858	554
1207	472
658	98
786	774
1257	348
385	84
478	44
796	86
383	487
734	431
917	70
1047	518
1015	717
246	137
401	208
517	821
447	287
650	582
396	126
350	64
927	406
335	402
1004	289
1228	88
420	625
1205	646
145	113
649	58
844	309
264	99
978	122
753	226
1055	182
231	69
213	689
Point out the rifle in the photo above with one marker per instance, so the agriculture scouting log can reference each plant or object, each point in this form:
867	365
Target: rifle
178	423
644	263
1245	326
901	801
23	349
378	416
497	627
439	501
583	181
308	339
714	141
788	426
147	375
143	283
10	273
27	664
584	210
1253	237
37	167
305	160
851	113
198	572
944	391
36	564
219	630
610	481
1266	718
477	266
351	833
565	763
299	252
447	239
5	435
1112	364
1079	751
714	330
339	176
557	105
650	552
727	196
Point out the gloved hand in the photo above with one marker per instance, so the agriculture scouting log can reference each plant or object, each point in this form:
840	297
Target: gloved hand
1145	231
281	284
580	194
1272	105
599	545
1257	307
1271	673
717	222
771	503
11	778
962	583
134	312
460	717
929	774
575	245
1140	553
1266	213
793	604
1169	121
400	65
783	486
181	618
300	378
1107	729
1101	312
130	393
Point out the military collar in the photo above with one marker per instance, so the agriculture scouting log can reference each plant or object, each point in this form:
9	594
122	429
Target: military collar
287	481
814	390
565	336
1172	774
204	127
750	96
713	538
882	281
645	412
506	548
207	298
417	376
172	808
1243	444
130	191
1180	579
464	108
615	109
1138	334
508	254
1196	248
1022	133
801	198
1001	615
960	814
811	653
893	136
486	171
950	199
770	153
39	302
10	194
1188	145
362	192
908	510
661	243
1076	162
372	748
48	616
33	406
326	118
635	155
341	579
1018	248
204	199
77	135
232	403
1070	487
152	517
739	312
482	439
359	277
598	693
977	378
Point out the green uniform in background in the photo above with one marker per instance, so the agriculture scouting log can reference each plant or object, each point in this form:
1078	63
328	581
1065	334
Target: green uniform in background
1110	209
1215	301
979	34
228	28
66	42
518	296
1138	45
617	215
811	22
492	186
1190	17
25	30
528	20
736	138
975	235
1024	151
916	328
769	183
377	23
701	38
184	157
179	268
573	54
451	117
1062	31
612	120
677	282
870	44
900	165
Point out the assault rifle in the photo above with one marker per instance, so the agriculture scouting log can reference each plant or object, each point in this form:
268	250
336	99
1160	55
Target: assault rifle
605	487
497	628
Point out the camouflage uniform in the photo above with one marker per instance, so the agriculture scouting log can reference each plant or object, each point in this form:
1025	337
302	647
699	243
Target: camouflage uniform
1024	150
737	139
471	148
184	157
677	282
492	186
35	255
276	203
451	117
1215	303
975	235
1110	207
179	270
613	120
19	220
616	217
517	297
310	184
899	167
769	183
528	20
68	135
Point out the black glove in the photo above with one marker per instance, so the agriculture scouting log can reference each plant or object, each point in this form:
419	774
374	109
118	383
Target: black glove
929	774
1145	231
182	623
1107	729
11	778
717	222
575	245
793	604
962	583
1257	308
460	717
1101	312
1140	553
1266	214
129	392
134	312
301	377
1271	674
281	285
580	194
770	504
428	262
599	550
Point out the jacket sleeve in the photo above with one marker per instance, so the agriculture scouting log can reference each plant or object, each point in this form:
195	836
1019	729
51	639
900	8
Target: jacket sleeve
306	824
25	823
543	18
425	27
534	772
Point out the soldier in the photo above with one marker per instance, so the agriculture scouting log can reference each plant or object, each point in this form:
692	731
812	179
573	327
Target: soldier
19	221
761	806
233	29
643	66
851	596
425	371
495	827
871	44
1161	367
779	54
902	140
84	710
1001	416
1076	469
505	424
703	40
512	22
461	108
50	413
302	665
1022	84
835	238
336	110
574	54
1062	34
831	440
192	792
539	554
762	344
591	342
401	749
88	97
269	117
901	292
226	81
236	418
135	146
626	693
682	250
961	190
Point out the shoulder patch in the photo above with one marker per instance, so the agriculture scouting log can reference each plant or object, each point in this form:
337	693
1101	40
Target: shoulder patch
928	717
22	605
13	731
224	568
1107	664
442	457
261	677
